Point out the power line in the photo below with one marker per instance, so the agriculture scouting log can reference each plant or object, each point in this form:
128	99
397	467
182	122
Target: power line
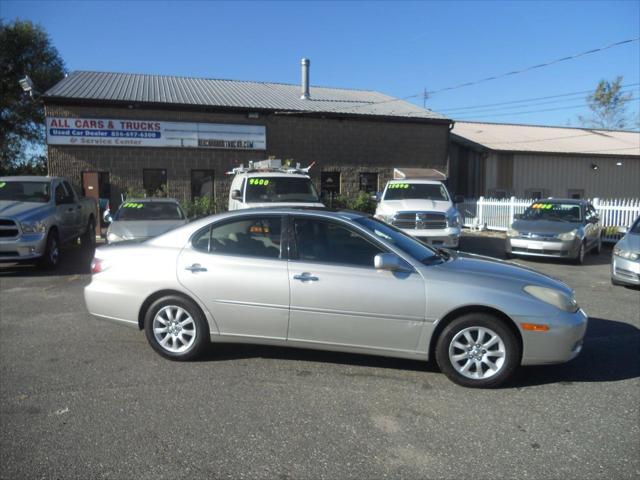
522	113
527	100
534	67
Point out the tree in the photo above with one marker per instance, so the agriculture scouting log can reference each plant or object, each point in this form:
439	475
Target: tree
25	49
608	106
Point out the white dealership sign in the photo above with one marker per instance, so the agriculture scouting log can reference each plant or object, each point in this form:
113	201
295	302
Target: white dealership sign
142	133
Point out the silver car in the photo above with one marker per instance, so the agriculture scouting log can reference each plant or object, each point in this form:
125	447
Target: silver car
141	219
560	228
625	261
337	281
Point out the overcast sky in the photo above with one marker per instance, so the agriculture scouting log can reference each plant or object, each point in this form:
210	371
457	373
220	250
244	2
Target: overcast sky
397	48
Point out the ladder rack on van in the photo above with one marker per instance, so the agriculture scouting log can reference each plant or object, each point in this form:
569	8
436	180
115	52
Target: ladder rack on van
271	165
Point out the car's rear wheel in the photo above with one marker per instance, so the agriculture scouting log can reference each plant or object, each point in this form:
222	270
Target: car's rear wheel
579	258
51	257
88	240
597	250
176	328
478	350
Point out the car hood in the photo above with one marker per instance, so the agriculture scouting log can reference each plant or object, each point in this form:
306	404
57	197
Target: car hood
283	204
544	226
414	205
631	242
469	265
143	228
22	210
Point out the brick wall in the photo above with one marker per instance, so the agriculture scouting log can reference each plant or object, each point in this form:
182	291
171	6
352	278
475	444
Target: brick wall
350	146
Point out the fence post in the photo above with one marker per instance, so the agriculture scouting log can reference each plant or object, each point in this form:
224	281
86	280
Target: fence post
512	206
480	217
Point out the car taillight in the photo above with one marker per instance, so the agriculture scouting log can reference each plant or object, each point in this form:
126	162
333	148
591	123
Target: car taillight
98	265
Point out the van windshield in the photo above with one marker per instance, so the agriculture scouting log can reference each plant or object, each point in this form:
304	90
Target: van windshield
422	191
280	189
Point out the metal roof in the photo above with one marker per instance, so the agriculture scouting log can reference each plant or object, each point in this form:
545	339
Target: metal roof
540	139
139	88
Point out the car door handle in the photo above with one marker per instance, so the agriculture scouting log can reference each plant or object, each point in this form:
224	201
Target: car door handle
196	267
305	277
69	209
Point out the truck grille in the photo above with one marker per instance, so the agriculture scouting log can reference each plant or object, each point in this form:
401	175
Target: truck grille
420	220
8	228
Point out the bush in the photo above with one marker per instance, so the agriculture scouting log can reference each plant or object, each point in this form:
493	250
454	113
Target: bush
362	202
199	207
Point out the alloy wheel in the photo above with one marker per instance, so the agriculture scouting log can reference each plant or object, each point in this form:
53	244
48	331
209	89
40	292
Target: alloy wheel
477	353
174	329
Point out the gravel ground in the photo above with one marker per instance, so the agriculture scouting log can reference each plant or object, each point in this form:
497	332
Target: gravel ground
81	398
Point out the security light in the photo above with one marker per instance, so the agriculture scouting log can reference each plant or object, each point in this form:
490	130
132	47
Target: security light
594	166
27	85
619	163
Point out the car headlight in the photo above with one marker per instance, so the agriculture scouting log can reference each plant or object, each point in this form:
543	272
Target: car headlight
512	232
456	220
385	218
567	235
553	297
33	227
627	254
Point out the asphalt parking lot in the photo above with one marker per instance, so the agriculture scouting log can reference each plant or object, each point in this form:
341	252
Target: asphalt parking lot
81	398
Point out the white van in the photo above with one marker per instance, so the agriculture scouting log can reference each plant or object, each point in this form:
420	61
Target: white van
422	208
268	183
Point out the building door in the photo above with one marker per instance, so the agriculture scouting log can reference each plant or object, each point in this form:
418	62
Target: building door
96	185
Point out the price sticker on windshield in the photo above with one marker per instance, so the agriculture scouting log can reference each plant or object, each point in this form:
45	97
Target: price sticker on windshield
542	206
398	185
132	205
259	181
2	184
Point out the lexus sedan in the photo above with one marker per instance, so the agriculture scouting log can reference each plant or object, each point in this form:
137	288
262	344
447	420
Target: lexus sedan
625	261
561	228
339	281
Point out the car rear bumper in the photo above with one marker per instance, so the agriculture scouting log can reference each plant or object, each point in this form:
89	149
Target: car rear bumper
445	237
561	343
625	271
27	247
543	248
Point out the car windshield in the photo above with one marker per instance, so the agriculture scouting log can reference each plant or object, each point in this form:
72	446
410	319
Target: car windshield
398	238
562	212
149	211
37	192
422	191
280	189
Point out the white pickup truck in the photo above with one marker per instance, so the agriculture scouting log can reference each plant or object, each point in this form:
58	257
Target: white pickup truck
268	183
422	208
37	214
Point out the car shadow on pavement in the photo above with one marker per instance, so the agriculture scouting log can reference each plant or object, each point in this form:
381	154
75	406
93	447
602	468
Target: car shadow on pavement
74	260
611	352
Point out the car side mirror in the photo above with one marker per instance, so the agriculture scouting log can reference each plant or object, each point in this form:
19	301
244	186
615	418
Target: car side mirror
236	195
458	199
623	230
391	262
106	216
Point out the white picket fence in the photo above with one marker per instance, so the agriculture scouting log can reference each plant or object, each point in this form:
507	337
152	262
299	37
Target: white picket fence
497	214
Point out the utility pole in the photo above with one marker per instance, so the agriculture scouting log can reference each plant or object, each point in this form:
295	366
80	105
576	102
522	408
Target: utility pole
425	95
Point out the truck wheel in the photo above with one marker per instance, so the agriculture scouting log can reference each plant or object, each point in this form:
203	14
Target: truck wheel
51	257
88	240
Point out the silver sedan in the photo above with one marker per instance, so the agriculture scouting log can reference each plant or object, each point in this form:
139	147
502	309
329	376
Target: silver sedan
335	281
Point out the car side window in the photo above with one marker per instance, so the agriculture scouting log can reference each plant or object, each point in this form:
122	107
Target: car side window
258	237
329	242
69	189
61	194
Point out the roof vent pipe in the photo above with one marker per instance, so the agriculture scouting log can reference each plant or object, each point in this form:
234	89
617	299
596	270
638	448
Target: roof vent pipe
305	62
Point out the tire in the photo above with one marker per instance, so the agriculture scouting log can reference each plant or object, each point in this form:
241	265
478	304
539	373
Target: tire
504	354
88	240
191	336
579	258
51	258
597	250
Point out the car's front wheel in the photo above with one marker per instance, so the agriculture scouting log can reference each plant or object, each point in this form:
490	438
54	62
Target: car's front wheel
176	328
51	257
478	350
579	258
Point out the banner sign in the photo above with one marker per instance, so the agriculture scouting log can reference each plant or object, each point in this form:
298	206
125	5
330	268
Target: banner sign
141	133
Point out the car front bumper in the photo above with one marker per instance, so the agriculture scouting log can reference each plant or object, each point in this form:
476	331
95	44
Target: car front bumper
445	237
561	343
543	248
29	246
625	271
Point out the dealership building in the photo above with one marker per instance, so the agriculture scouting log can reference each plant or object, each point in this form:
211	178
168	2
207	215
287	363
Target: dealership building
112	132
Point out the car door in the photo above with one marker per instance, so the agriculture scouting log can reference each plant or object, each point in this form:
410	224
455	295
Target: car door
236	268
65	213
590	227
339	298
77	208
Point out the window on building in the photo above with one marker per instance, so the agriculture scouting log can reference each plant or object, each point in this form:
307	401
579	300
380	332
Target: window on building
328	242
576	193
154	181
369	182
330	184
201	184
535	193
